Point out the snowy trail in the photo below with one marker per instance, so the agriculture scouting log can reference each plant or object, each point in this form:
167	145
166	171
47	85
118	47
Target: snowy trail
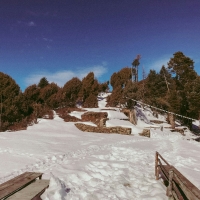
48	162
94	166
116	170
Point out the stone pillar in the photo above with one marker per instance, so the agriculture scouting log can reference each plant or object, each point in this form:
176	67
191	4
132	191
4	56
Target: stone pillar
132	117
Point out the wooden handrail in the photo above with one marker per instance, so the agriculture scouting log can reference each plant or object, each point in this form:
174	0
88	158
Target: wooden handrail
179	186
189	189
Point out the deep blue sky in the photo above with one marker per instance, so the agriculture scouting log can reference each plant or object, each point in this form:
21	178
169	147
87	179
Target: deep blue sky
60	39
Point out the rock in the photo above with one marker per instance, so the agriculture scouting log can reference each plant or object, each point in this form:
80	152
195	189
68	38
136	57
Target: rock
146	133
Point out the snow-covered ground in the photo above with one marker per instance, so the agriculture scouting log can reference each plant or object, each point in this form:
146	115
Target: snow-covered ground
93	166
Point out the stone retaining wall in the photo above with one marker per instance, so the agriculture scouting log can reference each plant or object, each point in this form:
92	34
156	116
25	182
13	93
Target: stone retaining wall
94	117
117	129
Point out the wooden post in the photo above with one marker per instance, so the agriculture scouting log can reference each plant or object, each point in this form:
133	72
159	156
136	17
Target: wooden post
169	188
156	166
171	118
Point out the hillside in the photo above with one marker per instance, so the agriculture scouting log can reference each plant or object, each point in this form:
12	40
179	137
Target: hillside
93	166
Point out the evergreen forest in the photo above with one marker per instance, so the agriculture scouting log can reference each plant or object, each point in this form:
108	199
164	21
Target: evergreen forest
175	88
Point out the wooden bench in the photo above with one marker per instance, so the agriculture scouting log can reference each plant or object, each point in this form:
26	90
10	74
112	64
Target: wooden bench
26	186
178	186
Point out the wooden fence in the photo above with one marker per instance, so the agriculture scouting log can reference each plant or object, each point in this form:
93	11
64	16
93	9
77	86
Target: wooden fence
178	186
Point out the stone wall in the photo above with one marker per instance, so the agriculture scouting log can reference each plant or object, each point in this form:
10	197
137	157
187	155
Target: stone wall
117	129
95	117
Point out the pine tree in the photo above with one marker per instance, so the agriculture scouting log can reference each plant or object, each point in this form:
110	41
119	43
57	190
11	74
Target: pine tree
115	99
192	90
46	93
120	78
43	82
32	93
71	90
182	68
9	92
103	87
89	86
91	101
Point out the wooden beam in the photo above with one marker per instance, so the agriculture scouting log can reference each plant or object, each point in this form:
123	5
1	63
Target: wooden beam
180	187
33	190
10	187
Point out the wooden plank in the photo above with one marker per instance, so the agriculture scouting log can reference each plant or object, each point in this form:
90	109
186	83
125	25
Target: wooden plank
182	187
176	192
175	196
165	170
191	192
34	189
183	182
17	183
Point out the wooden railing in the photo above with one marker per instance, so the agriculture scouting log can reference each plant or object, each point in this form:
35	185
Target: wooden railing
178	186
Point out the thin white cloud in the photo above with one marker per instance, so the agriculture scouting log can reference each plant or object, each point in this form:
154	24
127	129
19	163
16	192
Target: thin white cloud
98	70
156	65
47	40
61	77
31	23
22	23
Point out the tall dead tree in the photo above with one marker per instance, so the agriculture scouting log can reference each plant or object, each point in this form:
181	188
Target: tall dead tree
135	65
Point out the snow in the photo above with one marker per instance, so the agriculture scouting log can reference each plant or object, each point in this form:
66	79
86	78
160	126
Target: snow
92	166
